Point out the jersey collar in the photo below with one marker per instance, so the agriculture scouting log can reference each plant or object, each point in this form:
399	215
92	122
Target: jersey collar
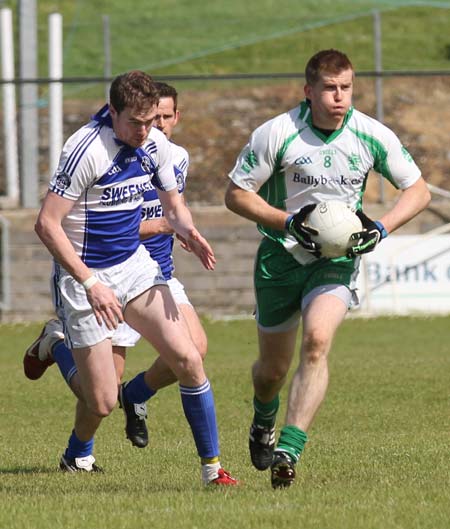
103	117
306	116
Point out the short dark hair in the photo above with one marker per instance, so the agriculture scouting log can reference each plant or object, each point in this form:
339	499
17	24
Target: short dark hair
166	90
330	61
133	89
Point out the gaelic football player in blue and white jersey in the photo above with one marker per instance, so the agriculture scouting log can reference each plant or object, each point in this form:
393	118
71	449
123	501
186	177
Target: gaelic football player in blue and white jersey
158	237
90	222
321	150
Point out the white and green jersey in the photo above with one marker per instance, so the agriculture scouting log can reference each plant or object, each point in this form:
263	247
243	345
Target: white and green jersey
290	164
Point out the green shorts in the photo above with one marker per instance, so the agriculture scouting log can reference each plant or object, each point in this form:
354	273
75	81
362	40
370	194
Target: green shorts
281	282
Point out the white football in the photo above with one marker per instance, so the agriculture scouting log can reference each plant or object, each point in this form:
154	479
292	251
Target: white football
335	221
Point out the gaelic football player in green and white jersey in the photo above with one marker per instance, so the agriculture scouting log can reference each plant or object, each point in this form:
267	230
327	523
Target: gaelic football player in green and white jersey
323	149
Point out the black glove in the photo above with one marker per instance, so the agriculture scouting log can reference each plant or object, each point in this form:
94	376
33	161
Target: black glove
372	234
302	233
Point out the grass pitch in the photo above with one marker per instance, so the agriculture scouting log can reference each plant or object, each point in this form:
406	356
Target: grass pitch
378	455
256	36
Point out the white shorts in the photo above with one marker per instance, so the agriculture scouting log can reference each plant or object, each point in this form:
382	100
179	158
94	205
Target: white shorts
126	336
128	280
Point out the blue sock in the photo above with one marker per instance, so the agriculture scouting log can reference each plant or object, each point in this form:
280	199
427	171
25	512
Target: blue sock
62	355
199	409
137	391
77	448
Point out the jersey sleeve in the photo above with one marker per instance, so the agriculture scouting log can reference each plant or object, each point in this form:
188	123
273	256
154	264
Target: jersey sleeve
165	178
76	169
180	161
187	162
256	162
395	163
184	164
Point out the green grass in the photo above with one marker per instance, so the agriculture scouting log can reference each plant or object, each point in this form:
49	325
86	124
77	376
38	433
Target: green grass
194	37
377	456
257	36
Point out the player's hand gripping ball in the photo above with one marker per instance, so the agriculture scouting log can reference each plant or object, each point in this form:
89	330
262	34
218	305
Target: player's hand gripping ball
296	226
335	223
366	240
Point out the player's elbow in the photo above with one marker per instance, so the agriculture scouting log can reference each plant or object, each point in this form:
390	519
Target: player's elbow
228	200
232	198
423	198
426	198
41	227
422	193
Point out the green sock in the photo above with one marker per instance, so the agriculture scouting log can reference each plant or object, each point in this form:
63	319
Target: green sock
266	412
292	440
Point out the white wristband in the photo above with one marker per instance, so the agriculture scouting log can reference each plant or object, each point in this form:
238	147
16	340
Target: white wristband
90	282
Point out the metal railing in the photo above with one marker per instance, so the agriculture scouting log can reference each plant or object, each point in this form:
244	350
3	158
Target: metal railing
439	191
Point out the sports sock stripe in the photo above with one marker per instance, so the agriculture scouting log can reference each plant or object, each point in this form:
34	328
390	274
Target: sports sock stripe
198	390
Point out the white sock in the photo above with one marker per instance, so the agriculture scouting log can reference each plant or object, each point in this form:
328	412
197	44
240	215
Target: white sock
210	471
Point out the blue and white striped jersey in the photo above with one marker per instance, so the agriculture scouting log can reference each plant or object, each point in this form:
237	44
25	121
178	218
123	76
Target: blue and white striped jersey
161	246
107	180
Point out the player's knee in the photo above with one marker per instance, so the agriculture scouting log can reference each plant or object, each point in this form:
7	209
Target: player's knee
189	364
273	378
315	347
102	411
103	407
269	375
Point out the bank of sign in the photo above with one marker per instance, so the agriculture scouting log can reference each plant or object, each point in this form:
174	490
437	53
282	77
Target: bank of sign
407	274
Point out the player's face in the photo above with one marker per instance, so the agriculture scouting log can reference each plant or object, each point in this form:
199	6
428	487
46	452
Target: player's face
167	116
131	126
330	97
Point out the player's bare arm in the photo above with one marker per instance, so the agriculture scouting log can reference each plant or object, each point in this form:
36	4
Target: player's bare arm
180	218
149	228
251	206
49	229
412	201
